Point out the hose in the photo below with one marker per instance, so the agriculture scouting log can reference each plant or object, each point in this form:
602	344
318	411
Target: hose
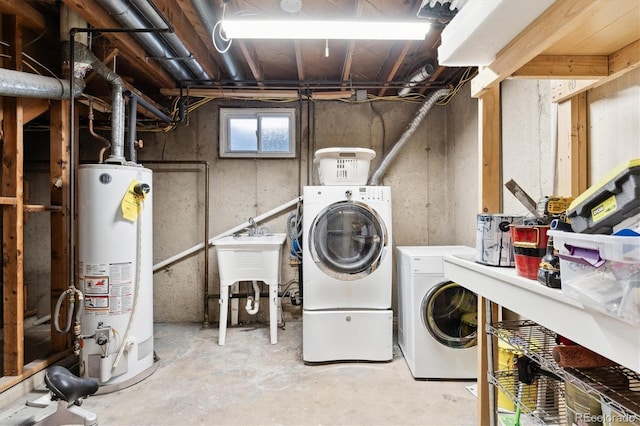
136	291
56	313
388	159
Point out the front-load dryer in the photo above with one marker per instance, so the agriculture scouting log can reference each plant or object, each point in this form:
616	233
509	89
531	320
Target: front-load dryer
347	273
437	318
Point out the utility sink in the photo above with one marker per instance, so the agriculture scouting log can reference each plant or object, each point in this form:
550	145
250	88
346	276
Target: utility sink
249	241
247	257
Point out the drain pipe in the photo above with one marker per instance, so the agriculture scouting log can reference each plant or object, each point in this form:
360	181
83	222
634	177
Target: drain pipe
422	112
253	302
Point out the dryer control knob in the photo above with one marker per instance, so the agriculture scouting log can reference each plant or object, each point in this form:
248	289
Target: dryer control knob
348	318
348	194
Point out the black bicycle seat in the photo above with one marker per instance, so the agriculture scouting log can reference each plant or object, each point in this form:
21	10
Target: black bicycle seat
67	386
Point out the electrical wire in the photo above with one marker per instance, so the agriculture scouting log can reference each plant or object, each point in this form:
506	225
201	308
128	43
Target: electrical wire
467	75
218	27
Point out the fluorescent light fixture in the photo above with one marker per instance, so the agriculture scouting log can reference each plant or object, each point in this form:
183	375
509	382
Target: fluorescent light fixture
324	30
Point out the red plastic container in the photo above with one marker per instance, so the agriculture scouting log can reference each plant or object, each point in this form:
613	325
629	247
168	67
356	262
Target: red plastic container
529	245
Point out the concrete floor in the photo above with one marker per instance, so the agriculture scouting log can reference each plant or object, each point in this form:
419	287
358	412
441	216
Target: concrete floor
251	382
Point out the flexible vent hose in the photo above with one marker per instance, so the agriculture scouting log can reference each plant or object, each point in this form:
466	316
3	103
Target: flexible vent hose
422	112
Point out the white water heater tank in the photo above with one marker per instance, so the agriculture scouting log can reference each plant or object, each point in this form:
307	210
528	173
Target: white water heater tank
115	272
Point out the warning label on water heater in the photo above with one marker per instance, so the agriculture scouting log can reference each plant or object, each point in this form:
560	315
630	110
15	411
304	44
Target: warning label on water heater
108	289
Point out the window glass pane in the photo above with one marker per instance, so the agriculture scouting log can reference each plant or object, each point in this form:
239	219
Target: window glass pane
274	134
243	134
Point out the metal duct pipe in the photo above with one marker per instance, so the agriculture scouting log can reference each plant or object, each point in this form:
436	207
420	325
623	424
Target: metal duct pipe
208	16
388	159
418	77
129	18
151	15
131	140
24	84
84	60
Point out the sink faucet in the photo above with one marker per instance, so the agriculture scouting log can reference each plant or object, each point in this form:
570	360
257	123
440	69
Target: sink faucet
254	227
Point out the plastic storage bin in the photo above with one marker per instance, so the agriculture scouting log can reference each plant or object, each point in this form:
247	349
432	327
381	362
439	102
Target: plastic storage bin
601	271
344	166
608	202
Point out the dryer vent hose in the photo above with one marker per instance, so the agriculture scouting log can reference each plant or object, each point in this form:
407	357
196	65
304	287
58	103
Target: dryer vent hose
422	112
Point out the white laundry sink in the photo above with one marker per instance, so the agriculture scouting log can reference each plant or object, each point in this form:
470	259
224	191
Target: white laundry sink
248	257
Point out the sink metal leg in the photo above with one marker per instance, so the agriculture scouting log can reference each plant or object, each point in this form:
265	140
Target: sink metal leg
224	308
273	312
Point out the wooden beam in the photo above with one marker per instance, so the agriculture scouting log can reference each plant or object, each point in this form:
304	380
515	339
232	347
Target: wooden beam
59	173
619	63
490	200
562	90
565	66
12	217
395	66
33	108
32	208
554	24
31	369
624	60
299	66
351	47
252	61
31	18
489	138
579	144
98	17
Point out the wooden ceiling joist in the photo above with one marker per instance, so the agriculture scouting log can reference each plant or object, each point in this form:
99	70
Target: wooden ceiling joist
565	66
31	18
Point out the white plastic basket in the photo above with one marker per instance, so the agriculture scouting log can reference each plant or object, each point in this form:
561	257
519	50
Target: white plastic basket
344	166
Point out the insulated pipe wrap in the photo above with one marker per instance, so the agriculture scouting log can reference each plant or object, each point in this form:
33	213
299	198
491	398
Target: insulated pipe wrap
422	112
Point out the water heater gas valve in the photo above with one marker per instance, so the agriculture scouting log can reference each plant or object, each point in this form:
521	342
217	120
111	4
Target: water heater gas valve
102	334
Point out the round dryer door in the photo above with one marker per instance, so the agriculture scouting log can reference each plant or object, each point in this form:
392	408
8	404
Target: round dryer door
450	314
347	240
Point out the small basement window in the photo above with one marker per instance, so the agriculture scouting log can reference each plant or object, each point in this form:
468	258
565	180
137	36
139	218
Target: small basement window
257	132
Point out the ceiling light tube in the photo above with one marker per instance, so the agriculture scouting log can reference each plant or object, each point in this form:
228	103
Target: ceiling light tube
324	30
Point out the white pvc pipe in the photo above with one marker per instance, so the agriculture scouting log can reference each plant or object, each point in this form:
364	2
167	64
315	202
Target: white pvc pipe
255	301
233	230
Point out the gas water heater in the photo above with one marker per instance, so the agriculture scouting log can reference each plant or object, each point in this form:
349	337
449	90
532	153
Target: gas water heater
115	272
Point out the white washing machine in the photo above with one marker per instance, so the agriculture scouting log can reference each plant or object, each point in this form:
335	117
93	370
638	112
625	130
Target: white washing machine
347	273
437	318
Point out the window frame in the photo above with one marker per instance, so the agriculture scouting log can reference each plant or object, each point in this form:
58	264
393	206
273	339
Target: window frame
226	114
